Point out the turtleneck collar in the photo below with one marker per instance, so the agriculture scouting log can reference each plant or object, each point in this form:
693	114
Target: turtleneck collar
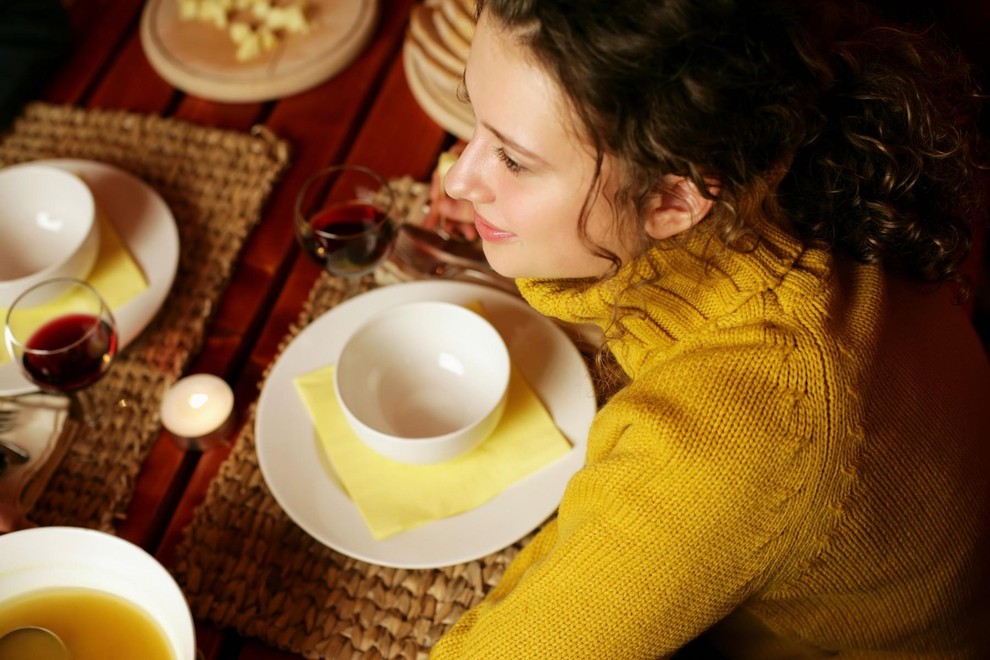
699	280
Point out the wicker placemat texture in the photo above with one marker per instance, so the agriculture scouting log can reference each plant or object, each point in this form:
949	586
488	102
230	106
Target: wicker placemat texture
216	183
244	564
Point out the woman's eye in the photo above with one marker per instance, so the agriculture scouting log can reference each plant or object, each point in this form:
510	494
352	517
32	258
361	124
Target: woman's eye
510	164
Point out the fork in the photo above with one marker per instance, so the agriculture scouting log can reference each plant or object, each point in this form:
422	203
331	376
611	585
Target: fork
427	260
12	451
8	419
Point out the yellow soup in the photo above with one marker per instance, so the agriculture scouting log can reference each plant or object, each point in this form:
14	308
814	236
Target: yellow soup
94	625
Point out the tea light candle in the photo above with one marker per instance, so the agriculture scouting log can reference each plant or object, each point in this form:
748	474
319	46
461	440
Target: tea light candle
196	410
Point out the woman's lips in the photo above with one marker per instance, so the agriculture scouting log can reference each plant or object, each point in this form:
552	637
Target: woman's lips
491	233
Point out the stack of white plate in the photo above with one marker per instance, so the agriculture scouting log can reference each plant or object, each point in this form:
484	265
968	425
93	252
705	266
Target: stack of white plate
434	54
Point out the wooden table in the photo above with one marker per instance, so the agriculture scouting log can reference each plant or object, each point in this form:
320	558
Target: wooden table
366	114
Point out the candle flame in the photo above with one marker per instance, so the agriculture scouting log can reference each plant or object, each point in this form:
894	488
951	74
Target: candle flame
197	401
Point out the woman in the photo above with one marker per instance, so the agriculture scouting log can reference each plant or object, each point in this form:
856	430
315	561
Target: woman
756	201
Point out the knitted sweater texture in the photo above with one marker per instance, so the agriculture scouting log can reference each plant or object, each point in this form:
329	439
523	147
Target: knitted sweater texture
798	466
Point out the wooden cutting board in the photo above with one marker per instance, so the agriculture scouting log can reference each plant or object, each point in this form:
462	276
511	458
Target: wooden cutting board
199	58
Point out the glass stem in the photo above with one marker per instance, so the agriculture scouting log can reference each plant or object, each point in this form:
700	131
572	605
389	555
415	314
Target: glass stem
351	287
84	409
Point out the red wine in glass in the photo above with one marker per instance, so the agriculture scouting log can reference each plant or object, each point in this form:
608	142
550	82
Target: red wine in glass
70	352
62	335
344	220
349	240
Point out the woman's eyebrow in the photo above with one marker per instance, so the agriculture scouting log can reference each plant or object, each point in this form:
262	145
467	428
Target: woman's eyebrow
515	146
462	94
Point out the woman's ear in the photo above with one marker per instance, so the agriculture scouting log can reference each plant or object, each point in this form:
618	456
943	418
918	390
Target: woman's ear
676	208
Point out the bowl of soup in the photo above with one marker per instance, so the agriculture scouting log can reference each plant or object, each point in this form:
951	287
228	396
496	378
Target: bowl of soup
102	595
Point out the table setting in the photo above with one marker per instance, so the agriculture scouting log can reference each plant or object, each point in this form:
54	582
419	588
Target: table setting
287	545
304	511
160	296
295	469
276	518
279	454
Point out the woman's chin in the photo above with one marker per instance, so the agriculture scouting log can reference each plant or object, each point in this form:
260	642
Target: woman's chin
511	263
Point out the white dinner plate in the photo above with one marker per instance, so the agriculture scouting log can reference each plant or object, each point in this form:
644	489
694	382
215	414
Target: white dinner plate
146	226
201	59
299	476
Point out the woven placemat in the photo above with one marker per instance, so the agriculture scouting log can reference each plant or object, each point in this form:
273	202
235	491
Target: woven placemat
216	183
244	564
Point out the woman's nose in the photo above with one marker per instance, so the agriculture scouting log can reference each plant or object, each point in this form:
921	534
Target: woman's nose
464	179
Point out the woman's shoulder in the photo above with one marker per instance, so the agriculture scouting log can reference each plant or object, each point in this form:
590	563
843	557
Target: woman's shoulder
755	387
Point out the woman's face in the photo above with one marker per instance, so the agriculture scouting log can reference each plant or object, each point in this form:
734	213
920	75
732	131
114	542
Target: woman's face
528	169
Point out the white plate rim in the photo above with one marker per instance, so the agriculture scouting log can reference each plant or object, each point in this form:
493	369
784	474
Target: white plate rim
442	108
295	470
145	225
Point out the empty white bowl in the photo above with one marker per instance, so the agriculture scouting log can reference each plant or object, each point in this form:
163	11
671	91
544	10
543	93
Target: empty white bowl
423	382
48	227
44	558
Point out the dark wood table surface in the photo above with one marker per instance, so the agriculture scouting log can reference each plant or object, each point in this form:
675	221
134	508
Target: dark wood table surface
365	114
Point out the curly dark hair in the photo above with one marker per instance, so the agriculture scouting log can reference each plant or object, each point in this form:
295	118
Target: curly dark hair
814	115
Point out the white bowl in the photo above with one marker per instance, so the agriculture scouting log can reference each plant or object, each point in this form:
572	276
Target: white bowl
48	227
56	557
423	382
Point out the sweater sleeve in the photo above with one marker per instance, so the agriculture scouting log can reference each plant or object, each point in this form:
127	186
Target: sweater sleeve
679	516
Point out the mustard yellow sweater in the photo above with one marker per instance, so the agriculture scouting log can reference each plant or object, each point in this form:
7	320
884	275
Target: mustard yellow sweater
799	464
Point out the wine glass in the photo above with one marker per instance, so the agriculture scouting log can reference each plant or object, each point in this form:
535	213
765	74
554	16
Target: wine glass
343	219
63	337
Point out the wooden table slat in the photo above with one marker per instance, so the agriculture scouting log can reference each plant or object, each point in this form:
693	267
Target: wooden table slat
131	84
100	26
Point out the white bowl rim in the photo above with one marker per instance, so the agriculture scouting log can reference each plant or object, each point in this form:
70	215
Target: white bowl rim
185	629
89	212
429	442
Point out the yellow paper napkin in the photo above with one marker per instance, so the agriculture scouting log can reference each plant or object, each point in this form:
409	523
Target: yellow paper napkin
115	274
393	497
